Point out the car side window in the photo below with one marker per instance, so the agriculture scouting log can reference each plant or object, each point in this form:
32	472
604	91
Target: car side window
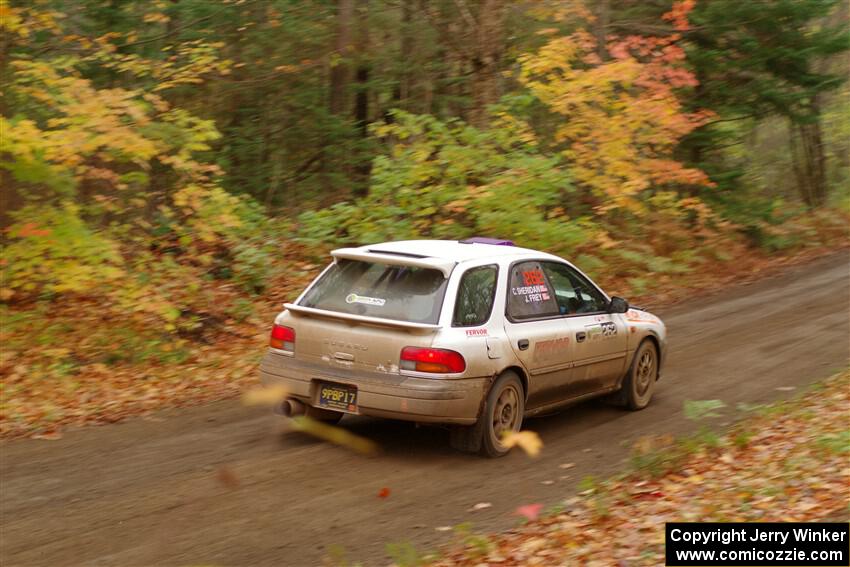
530	293
573	293
475	296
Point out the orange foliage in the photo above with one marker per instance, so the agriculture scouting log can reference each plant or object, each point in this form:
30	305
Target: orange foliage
622	116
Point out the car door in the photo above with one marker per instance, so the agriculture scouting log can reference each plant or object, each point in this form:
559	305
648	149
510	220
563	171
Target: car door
600	339
538	333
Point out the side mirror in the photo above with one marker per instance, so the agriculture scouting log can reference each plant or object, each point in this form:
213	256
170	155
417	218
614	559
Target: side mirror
618	305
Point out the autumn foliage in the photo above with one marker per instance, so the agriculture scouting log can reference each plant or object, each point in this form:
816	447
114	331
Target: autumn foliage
121	243
620	117
113	200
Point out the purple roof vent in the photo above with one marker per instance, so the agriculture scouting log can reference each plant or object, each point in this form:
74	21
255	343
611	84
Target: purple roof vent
485	240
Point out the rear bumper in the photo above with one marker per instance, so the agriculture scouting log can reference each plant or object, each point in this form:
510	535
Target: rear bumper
426	400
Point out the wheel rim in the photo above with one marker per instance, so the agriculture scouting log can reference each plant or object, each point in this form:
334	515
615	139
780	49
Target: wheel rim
645	372
505	415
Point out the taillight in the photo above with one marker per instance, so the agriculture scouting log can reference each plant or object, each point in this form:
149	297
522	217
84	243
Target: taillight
436	360
283	338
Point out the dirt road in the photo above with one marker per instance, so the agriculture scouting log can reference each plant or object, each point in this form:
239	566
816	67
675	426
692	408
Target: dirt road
151	491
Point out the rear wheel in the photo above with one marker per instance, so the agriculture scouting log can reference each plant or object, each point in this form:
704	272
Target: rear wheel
323	415
502	413
639	383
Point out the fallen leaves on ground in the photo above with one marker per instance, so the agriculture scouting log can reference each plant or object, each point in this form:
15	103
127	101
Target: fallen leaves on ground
75	363
530	511
227	477
789	462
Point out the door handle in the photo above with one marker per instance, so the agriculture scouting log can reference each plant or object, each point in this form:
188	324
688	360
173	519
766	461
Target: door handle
580	336
522	344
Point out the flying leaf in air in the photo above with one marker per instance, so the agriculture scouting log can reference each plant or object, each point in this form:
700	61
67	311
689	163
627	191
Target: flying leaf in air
335	435
264	396
528	441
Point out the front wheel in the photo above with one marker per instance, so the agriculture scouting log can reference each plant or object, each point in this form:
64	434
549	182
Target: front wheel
502	414
639	383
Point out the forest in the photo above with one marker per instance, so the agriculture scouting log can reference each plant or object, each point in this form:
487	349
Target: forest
172	170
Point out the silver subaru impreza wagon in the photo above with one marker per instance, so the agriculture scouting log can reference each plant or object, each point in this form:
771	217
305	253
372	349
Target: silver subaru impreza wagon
476	334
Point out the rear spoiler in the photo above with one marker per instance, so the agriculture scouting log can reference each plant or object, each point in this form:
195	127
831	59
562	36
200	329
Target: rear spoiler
311	311
441	264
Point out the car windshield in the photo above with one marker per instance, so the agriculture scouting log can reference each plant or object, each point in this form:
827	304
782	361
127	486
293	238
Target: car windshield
403	293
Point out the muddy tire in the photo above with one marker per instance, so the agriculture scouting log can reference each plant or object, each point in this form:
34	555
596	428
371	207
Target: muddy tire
503	411
639	383
325	416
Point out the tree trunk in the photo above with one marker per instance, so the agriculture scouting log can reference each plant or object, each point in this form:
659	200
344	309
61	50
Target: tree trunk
362	164
488	50
809	160
337	90
337	102
405	83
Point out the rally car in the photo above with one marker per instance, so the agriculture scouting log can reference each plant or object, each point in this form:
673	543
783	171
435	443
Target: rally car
475	334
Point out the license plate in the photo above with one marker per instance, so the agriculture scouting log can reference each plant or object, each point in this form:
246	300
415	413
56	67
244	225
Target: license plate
338	397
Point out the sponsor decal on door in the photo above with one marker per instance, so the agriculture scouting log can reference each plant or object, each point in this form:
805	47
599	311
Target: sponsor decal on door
604	330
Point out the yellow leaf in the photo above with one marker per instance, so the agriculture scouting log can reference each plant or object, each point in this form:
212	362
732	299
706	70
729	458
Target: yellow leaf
528	441
264	396
335	435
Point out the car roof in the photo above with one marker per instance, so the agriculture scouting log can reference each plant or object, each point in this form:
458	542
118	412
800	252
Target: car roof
450	250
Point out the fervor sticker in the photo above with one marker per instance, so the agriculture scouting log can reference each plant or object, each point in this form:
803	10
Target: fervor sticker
476	332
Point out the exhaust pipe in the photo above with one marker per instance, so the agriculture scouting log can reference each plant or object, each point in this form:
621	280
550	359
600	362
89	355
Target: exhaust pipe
290	408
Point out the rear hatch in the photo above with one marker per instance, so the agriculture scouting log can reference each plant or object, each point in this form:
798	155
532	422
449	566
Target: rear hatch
361	313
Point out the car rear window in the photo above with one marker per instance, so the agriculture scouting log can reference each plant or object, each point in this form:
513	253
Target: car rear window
403	293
